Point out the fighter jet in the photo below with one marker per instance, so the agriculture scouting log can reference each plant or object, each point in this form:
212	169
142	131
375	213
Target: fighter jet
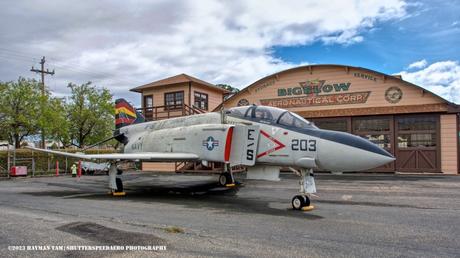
258	137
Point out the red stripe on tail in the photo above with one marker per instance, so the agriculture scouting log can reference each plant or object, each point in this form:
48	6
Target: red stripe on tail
228	144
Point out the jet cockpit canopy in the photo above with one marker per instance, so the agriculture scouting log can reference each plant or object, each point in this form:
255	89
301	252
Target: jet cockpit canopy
270	115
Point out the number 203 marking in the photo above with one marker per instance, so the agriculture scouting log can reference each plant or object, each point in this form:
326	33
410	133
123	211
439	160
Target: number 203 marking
303	145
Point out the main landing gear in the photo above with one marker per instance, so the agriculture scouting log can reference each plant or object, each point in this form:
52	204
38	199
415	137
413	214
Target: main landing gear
226	178
307	187
115	182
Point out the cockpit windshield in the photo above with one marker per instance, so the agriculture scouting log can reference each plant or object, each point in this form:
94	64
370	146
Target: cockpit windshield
292	119
270	115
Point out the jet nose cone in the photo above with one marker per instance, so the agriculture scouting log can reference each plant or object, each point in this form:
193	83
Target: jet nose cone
376	155
353	153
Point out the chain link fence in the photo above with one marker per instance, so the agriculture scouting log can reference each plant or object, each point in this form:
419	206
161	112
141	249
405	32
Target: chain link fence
39	163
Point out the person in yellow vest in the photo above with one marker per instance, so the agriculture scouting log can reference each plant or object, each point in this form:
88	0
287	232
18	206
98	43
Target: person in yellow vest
74	170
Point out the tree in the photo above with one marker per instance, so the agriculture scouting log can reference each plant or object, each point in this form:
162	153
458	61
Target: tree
90	114
20	109
232	90
228	87
25	111
58	129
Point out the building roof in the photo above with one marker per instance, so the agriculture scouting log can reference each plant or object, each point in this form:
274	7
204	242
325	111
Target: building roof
454	108
180	78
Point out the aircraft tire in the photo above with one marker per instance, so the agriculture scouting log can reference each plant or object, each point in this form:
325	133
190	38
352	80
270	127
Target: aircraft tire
300	201
307	201
224	179
119	185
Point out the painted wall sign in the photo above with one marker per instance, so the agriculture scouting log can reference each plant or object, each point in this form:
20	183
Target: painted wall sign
243	102
365	76
322	100
315	87
393	95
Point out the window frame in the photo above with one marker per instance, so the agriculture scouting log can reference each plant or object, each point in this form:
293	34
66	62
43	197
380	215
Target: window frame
174	106
201	94
144	104
436	131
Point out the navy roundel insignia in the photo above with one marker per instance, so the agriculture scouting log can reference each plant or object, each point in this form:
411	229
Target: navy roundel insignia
210	143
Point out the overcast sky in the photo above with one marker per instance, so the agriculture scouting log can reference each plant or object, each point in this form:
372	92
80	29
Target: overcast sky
124	44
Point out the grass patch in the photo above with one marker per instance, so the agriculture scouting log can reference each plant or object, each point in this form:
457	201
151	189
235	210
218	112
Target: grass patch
174	229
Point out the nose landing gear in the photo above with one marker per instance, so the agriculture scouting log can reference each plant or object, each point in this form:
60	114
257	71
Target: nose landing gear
307	187
300	201
226	178
115	182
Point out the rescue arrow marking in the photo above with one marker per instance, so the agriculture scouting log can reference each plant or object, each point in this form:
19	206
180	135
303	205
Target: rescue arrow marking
279	144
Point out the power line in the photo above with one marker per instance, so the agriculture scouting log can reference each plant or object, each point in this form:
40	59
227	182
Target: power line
69	66
101	78
43	73
107	77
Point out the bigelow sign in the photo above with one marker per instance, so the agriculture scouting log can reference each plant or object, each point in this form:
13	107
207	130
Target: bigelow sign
314	87
316	93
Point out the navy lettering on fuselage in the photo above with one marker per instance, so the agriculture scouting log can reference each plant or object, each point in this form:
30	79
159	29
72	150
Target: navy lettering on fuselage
303	145
250	152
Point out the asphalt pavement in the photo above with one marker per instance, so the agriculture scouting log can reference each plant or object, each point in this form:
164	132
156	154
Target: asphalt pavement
189	215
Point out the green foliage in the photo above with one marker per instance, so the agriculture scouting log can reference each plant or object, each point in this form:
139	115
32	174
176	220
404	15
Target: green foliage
90	113
228	87
55	121
84	118
20	103
232	90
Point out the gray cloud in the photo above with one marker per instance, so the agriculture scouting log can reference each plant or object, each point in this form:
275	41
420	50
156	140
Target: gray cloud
123	44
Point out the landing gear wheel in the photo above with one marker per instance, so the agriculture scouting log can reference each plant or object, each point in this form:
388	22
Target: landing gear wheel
225	179
119	185
300	201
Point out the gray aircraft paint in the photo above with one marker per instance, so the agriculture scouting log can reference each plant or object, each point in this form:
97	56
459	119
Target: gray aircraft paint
204	137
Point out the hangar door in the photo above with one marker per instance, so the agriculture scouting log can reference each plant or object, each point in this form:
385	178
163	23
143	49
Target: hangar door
379	130
417	147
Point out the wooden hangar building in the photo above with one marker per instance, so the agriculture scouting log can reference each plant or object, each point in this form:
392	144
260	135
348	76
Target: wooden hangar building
418	127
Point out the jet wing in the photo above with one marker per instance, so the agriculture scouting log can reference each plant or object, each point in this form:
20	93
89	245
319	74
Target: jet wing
147	156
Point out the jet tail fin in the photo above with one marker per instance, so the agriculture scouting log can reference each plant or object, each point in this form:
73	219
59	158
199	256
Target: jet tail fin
125	114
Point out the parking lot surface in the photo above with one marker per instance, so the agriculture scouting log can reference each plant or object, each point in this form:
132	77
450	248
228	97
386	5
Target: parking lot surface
355	216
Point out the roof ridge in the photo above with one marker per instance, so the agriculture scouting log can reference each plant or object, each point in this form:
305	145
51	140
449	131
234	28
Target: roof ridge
178	78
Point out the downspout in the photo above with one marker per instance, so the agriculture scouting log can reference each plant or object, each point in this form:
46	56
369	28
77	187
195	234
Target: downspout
190	93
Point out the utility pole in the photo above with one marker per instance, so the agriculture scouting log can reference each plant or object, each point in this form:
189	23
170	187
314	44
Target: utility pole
42	72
